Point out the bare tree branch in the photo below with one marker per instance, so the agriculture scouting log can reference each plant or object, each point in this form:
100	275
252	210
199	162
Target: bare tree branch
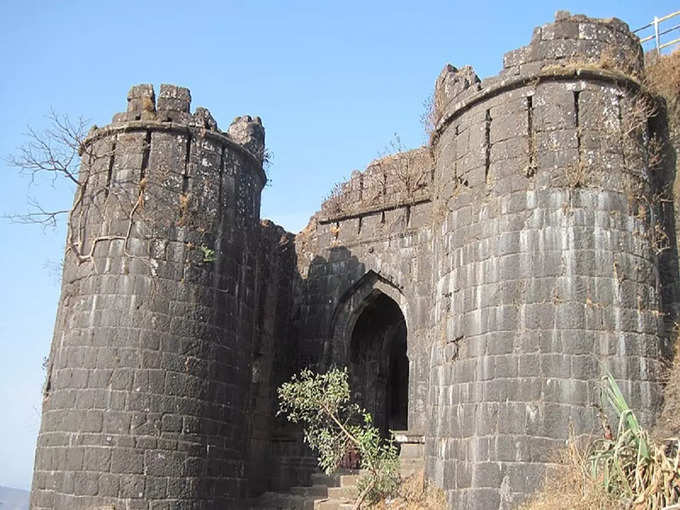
52	153
37	215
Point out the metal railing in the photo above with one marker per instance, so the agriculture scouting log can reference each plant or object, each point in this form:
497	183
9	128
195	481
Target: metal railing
658	32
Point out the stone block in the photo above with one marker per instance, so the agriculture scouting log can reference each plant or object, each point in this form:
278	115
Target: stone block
164	463
126	460
131	487
109	485
116	422
97	459
174	98
85	484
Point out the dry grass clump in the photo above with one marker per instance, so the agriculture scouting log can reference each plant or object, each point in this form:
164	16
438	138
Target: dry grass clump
662	77
623	470
668	424
569	485
415	493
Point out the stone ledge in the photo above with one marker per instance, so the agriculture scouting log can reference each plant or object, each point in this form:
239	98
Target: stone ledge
408	436
387	206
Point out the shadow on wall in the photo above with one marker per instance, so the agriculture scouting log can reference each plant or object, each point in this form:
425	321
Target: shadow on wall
303	348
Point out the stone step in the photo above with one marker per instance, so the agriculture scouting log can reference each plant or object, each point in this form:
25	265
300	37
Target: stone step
324	479
346	492
412	451
331	480
333	504
326	504
349	480
327	492
284	501
317	490
270	500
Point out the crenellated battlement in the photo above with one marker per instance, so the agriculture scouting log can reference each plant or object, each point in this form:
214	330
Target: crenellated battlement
608	43
573	47
171	111
249	133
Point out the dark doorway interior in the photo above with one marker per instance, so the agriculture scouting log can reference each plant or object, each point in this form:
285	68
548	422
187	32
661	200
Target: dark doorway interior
379	366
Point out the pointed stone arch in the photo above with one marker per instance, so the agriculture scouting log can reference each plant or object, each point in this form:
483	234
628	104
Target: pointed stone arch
349	308
374	311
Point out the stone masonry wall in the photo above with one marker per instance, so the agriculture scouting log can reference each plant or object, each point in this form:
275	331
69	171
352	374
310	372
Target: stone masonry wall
372	234
378	241
529	248
534	254
271	357
547	266
149	371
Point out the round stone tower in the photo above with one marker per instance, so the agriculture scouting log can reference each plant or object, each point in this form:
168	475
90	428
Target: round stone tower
550	264
145	396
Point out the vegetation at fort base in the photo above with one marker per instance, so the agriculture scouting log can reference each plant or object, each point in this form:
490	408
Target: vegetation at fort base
626	468
334	425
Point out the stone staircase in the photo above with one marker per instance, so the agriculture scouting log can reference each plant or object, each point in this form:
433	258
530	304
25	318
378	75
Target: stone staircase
337	491
334	492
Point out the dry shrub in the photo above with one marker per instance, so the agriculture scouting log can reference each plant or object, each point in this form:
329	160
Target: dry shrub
575	174
668	424
626	469
335	202
433	111
662	77
415	493
619	59
569	486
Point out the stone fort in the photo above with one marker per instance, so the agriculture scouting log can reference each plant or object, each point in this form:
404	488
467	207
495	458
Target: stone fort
477	288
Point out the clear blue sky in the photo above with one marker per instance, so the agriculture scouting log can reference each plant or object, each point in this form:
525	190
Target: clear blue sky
332	82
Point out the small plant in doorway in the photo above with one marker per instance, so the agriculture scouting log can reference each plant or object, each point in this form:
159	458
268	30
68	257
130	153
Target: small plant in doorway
334	425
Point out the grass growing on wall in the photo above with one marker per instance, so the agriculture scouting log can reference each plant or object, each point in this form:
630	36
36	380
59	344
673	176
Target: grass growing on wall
623	469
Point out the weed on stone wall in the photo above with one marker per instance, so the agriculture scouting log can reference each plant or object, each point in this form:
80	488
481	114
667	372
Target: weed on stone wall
433	112
668	423
662	77
408	170
334	202
575	174
625	468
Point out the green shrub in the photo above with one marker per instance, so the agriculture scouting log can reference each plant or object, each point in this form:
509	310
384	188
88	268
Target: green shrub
333	425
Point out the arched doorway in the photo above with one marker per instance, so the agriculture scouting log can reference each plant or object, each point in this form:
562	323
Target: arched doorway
378	363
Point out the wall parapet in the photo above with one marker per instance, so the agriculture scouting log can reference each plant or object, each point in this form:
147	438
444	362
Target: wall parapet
492	87
397	180
596	49
132	126
608	41
173	109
